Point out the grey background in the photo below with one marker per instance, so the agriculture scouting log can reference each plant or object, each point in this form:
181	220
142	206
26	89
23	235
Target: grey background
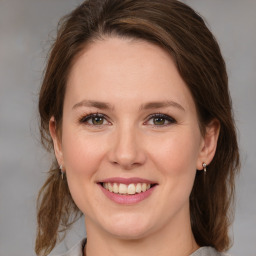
26	30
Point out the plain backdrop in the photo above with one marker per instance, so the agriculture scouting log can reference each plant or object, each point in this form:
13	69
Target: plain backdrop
27	28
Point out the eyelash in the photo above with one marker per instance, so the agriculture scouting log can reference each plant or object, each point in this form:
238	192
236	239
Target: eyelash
86	118
167	118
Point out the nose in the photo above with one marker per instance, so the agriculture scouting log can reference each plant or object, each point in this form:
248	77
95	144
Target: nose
127	148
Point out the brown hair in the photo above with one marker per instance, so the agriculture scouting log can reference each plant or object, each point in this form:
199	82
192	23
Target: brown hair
183	34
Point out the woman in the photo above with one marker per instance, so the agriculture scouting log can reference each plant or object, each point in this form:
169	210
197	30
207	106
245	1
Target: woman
135	104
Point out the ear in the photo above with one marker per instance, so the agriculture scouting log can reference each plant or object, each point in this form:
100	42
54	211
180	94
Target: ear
209	144
56	140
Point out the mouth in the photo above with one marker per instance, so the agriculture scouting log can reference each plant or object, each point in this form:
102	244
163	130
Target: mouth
127	189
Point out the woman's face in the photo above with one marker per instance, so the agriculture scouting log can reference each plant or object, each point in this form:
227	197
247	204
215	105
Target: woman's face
130	141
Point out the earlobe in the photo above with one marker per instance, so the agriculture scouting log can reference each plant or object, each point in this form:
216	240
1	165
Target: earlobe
209	143
56	140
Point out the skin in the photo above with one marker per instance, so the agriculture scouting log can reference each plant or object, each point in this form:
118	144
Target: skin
127	74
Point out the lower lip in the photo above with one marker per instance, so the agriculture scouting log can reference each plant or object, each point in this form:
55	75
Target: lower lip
127	199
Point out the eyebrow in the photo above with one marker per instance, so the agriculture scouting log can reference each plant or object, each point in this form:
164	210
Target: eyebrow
92	103
107	106
161	104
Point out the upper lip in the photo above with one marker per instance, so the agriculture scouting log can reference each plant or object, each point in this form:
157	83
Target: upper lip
127	181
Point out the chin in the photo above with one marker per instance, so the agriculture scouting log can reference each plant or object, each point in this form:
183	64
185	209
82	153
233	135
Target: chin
129	228
129	234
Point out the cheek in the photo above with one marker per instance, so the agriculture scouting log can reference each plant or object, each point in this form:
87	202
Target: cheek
176	159
82	157
177	153
81	153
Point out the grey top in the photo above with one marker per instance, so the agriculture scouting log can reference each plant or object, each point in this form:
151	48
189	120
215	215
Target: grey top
77	250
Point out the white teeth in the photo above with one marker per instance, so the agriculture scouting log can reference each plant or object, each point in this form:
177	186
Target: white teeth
115	188
131	189
123	189
138	188
110	187
144	187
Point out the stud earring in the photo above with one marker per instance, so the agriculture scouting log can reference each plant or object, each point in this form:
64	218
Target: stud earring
204	166
62	172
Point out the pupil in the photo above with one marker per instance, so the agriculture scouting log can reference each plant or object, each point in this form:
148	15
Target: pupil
159	120
97	120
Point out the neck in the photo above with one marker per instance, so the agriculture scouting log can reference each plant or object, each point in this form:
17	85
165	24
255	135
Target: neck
172	239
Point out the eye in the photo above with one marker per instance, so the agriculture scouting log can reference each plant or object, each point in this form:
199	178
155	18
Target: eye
94	119
160	120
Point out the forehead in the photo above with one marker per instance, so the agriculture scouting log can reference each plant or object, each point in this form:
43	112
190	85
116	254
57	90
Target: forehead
126	69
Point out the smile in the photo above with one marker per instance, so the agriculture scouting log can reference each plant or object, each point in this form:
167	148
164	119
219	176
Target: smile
126	189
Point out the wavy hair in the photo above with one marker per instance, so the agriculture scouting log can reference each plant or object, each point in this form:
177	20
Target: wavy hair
182	33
